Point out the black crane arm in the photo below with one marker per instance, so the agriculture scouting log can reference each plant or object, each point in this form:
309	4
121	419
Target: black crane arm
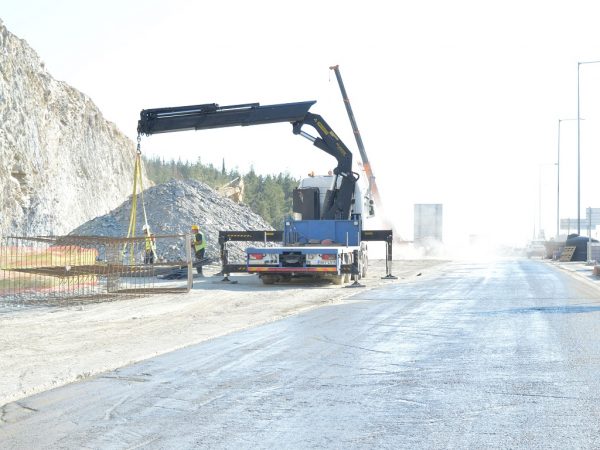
340	202
211	115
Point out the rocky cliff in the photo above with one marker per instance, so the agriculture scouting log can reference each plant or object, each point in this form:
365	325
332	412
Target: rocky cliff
61	162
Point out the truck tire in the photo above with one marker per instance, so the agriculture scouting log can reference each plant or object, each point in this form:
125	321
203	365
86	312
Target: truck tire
347	276
268	279
338	279
365	266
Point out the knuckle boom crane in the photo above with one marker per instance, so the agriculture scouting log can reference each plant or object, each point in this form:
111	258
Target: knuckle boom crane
326	238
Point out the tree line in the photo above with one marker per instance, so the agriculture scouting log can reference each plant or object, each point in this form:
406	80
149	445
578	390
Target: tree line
269	196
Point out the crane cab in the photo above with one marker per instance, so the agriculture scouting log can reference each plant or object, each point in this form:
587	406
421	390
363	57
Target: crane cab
313	192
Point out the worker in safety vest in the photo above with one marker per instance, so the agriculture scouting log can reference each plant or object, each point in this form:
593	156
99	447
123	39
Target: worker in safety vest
198	247
149	246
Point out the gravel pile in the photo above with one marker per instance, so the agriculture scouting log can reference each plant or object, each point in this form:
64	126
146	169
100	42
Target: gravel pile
172	208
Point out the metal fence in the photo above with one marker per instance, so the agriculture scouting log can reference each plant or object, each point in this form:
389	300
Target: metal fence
71	269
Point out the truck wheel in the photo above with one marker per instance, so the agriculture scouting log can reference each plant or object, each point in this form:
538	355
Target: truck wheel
338	279
267	279
347	276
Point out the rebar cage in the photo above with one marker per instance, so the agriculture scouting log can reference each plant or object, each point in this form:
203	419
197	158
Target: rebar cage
69	269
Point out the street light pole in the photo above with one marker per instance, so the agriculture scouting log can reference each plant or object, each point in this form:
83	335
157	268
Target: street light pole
558	184
558	180
539	236
540	198
579	149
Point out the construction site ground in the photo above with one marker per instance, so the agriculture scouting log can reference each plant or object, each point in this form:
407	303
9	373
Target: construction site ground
45	347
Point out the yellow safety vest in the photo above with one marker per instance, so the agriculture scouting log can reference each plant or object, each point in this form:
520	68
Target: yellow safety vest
199	242
149	243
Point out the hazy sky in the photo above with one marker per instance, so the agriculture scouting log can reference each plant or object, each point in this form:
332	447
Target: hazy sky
457	102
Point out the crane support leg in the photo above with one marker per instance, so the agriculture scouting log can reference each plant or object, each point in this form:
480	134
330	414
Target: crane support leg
386	236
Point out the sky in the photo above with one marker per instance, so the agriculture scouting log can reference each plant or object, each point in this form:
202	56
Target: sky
457	102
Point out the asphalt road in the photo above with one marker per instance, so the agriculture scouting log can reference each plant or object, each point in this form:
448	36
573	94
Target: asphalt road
501	354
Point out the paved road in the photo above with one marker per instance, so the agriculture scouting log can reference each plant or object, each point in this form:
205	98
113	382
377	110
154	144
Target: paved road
501	354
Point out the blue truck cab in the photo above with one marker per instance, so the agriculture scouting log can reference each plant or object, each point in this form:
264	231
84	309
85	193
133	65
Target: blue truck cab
314	247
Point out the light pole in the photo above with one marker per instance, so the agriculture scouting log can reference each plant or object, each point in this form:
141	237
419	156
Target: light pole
558	179
539	236
579	149
540	197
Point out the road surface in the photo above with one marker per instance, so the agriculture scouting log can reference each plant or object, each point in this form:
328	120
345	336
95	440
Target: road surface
495	354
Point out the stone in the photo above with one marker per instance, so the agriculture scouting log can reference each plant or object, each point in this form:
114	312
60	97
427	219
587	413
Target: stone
61	162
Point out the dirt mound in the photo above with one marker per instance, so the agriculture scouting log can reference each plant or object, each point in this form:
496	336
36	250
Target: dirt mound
172	208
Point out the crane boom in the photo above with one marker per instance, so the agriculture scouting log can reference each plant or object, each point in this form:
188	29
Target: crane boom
211	115
361	148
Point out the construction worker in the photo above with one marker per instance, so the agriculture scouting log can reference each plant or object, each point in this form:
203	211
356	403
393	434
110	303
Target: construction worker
198	247
150	246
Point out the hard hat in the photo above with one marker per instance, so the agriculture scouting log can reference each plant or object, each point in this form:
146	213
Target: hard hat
145	228
195	227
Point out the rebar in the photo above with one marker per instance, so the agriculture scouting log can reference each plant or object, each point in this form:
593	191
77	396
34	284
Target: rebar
63	270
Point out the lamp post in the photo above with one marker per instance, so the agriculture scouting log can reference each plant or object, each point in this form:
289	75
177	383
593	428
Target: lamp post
540	198
539	236
579	149
558	179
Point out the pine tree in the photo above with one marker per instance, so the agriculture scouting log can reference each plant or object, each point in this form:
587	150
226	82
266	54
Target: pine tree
269	196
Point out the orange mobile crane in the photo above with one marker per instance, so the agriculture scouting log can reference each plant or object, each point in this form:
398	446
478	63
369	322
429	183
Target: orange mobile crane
374	191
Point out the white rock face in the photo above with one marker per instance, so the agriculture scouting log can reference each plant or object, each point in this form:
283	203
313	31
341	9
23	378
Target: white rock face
61	162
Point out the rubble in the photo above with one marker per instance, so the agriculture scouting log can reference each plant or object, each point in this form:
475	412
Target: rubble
172	208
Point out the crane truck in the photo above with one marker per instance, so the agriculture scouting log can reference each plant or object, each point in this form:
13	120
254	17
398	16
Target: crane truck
325	237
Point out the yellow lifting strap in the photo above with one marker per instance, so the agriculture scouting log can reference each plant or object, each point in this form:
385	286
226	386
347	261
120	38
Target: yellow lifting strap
137	181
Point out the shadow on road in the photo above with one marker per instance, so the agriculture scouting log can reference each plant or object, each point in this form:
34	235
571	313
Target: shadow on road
574	309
